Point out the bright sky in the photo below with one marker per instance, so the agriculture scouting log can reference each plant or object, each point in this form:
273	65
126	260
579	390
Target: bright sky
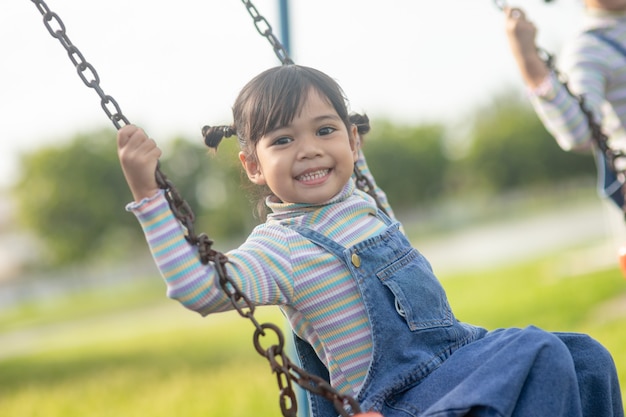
175	66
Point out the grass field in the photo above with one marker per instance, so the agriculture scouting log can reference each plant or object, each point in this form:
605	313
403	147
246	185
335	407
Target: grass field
127	351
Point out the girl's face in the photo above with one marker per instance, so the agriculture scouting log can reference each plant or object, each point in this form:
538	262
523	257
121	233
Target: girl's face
309	160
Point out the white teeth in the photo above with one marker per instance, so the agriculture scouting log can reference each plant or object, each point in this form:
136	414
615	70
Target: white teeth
310	176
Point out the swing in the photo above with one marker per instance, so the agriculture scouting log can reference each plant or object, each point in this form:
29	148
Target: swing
286	371
610	162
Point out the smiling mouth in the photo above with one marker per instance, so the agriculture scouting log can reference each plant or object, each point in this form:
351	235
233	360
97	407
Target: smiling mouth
313	176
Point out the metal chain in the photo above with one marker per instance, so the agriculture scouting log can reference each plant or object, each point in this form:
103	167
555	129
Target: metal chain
285	370
265	29
90	78
363	183
86	71
615	158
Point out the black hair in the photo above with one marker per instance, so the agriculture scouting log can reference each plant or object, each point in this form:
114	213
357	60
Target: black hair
273	99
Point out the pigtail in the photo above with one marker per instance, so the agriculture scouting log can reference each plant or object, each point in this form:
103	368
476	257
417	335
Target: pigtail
362	123
213	135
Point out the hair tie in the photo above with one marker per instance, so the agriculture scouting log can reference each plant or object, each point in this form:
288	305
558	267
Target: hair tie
213	135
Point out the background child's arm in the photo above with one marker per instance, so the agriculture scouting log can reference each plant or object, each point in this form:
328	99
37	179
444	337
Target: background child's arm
557	109
361	165
521	34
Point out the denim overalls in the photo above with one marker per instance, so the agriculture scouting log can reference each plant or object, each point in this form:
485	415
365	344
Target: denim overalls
426	363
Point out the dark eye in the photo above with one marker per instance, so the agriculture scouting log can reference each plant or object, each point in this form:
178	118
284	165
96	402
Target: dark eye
326	131
282	140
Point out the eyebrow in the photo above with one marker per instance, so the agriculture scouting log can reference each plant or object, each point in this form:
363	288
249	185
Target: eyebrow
332	116
317	119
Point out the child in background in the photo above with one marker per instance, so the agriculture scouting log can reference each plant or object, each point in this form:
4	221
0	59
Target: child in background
593	62
348	280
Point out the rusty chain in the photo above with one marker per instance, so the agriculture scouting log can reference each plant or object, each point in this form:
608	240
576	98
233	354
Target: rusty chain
363	183
615	158
285	370
265	29
86	71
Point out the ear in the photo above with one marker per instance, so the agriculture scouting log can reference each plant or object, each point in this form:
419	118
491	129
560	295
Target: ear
355	142
252	169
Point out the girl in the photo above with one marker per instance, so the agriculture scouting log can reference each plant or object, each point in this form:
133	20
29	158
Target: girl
349	281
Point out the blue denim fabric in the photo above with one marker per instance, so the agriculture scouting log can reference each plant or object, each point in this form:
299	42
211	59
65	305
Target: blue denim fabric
427	363
608	185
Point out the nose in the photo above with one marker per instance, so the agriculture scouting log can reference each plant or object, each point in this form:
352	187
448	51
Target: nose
309	147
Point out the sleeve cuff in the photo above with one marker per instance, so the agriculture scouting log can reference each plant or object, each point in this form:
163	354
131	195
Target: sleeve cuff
147	203
547	89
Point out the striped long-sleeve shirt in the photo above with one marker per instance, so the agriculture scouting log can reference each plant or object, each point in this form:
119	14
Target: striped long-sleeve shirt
277	266
595	70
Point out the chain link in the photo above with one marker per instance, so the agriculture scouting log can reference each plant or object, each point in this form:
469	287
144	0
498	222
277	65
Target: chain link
265	29
615	158
500	4
86	71
363	183
285	370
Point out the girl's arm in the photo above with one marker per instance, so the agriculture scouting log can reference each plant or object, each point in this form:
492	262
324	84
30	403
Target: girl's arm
361	165
189	281
521	34
561	113
587	65
558	110
361	122
261	268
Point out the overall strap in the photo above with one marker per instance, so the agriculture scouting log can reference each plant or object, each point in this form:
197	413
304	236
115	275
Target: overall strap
310	362
608	184
599	34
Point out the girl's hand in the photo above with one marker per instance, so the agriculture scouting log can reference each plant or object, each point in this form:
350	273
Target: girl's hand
139	156
520	32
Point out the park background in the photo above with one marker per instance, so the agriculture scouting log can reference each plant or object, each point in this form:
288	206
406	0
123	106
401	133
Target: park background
511	224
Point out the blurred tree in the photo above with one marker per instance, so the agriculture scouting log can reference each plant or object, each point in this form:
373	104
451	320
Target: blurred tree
510	149
408	162
72	197
212	185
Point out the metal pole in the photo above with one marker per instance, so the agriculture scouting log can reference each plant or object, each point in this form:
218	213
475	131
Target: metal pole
284	24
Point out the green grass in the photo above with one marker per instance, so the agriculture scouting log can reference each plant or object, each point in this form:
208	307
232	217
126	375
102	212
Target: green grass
547	294
129	352
157	360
